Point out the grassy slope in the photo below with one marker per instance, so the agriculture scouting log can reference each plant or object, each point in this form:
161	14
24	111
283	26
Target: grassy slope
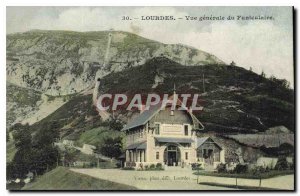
255	96
235	97
63	179
96	136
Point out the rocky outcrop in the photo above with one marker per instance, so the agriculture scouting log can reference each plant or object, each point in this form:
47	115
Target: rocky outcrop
64	62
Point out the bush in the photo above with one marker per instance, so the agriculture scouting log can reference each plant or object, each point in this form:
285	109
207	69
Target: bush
158	166
240	169
196	166
118	165
258	170
152	166
128	168
282	164
221	168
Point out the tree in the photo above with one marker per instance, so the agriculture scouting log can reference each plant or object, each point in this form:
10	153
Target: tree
281	82
47	136
22	160
22	137
38	154
46	154
233	63
263	74
113	124
111	147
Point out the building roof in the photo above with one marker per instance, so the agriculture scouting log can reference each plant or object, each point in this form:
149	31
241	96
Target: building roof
202	140
137	146
143	118
147	115
173	140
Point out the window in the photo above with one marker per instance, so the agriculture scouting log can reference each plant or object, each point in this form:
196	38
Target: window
157	155
157	129
130	154
186	130
186	156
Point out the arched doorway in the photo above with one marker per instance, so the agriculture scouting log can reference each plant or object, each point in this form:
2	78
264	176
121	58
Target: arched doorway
172	155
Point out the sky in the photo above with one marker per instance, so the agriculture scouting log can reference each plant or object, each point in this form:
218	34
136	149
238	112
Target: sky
263	45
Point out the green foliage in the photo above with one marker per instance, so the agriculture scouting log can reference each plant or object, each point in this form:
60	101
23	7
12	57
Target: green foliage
113	124
196	166
96	136
221	168
38	156
282	163
22	137
47	136
259	170
107	164
263	74
253	94
158	166
111	147
128	168
152	166
240	169
233	63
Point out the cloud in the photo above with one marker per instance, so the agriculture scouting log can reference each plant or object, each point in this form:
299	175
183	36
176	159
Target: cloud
262	45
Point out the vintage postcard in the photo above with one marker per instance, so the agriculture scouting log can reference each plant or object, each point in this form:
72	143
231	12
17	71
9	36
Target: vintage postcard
150	98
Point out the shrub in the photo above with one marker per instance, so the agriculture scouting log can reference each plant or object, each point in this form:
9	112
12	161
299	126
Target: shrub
128	168
258	170
118	165
221	168
196	166
241	169
152	166
282	164
158	166
130	164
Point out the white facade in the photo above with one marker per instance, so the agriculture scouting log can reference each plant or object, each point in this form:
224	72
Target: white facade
169	138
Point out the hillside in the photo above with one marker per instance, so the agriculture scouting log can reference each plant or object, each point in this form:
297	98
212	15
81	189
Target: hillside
63	179
26	105
244	102
65	62
234	99
47	71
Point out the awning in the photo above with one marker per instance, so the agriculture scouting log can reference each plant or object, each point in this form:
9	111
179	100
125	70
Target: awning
173	140
137	146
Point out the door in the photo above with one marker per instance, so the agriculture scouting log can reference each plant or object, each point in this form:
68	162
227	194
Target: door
172	155
172	158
